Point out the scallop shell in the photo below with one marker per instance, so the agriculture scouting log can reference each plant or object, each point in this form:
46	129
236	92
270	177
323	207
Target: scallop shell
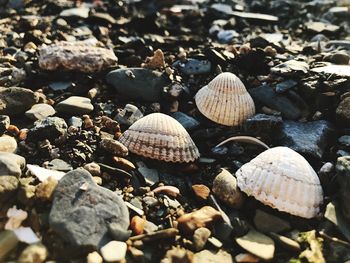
225	100
282	178
161	137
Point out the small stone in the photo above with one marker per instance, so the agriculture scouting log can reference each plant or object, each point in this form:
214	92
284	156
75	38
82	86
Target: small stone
226	189
40	111
4	123
48	128
138	83
114	147
123	163
8	144
129	115
290	67
36	253
320	27
94	257
215	242
15	101
114	251
155	62
44	190
339	58
220	256
11	164
186	121
75	105
246	258
265	222
286	242
200	238
258	244
193	66
59	165
93	168
82	12
167	189
203	217
226	36
285	85
178	254
343	112
60	85
263	125
137	225
201	191
8	191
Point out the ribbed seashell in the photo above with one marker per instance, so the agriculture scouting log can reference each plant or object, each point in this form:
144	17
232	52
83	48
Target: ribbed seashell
161	137
281	178
225	100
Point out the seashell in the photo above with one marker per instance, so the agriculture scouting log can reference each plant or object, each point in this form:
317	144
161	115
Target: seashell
281	178
161	137
225	100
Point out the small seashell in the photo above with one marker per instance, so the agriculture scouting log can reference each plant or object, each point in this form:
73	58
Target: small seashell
225	100
281	178
161	137
167	189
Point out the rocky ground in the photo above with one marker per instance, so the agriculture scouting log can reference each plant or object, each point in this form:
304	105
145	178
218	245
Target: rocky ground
74	76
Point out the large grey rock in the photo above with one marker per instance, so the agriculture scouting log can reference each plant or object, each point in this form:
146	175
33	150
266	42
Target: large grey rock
15	101
48	128
138	83
343	178
266	96
310	138
75	105
11	164
82	211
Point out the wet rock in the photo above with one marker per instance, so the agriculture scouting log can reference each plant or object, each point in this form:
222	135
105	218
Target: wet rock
81	216
77	56
226	189
4	123
265	95
343	112
266	223
48	128
138	83
203	217
311	138
36	253
193	66
75	105
8	144
114	251
15	101
200	238
114	147
8	191
11	164
40	111
186	121
213	256
128	115
258	244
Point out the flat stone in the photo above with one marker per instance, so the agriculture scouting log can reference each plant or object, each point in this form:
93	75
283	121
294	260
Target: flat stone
193	66
75	105
11	164
310	138
291	66
59	165
151	175
114	251
8	144
15	101
40	111
319	27
258	244
265	222
186	121
48	128
81	216
286	242
268	97
138	83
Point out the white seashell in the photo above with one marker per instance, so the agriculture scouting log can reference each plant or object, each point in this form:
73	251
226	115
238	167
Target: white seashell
161	137
282	178
225	100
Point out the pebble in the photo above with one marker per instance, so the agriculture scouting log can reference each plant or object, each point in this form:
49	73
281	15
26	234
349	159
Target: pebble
138	83
343	112
11	164
48	128
8	144
36	253
226	36
201	191
8	190
286	242
220	256
4	123
93	168
40	111
82	12
77	218
44	190
204	217
60	85
75	105
59	165
193	66
290	67
128	115
258	244
311	138
266	223
200	238
186	121
343	179
137	225
123	163
114	147
246	258
263	125
339	58
151	175
226	189
320	27
94	257
15	101
114	251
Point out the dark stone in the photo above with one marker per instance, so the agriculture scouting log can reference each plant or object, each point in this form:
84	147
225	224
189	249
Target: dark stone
343	112
83	217
193	66
8	190
253	62
268	97
285	85
343	179
4	123
263	125
186	121
48	128
15	101
311	138
215	57
138	83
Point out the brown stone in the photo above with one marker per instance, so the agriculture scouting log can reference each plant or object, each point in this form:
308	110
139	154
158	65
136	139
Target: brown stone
201	191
